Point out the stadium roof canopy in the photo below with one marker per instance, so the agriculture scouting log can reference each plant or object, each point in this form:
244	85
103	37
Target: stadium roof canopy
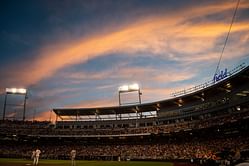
200	92
105	110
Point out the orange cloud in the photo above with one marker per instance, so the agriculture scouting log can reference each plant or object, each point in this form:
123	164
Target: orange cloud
179	76
94	103
57	91
161	35
2	91
45	116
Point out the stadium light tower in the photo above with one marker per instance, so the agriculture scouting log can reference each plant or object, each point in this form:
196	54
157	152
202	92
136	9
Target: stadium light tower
15	91
127	89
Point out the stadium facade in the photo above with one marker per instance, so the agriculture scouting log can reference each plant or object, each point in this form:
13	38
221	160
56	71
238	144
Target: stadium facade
189	106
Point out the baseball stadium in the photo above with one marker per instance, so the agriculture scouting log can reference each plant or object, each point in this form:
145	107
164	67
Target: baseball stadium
66	102
206	124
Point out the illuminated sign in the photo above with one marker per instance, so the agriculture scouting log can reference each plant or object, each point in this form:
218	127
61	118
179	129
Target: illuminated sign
220	76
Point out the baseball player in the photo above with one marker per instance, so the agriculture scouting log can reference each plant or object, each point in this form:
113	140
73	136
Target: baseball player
33	155
36	156
73	155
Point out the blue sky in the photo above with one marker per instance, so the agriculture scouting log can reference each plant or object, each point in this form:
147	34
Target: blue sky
77	53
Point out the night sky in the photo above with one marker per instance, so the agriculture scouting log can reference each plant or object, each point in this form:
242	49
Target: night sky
76	53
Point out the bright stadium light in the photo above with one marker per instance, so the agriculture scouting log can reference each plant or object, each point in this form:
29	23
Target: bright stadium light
134	87
123	88
16	91
129	88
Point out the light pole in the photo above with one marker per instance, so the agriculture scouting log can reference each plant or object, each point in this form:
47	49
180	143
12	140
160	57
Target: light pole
15	91
4	106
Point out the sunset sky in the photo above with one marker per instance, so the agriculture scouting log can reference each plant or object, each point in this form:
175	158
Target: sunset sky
76	53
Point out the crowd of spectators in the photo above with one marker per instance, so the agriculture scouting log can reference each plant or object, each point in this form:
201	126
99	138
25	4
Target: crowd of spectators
172	149
45	128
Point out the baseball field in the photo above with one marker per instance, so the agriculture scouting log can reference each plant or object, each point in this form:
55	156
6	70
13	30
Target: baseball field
24	162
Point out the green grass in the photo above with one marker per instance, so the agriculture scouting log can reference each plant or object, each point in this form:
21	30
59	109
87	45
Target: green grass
23	162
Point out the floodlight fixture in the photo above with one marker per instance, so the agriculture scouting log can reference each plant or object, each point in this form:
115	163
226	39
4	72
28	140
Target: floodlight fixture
129	88
123	88
134	87
15	91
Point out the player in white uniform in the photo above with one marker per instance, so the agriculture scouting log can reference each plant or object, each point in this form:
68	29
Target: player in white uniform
73	155
36	156
33	155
